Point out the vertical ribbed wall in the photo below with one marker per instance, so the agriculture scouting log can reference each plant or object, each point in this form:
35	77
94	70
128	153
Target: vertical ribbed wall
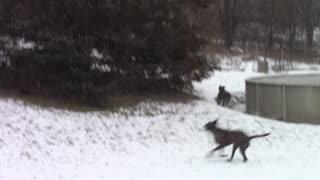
283	102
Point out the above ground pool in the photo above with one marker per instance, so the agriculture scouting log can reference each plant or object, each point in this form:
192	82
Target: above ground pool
292	98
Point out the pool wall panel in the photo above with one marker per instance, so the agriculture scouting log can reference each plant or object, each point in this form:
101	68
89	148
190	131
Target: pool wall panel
288	102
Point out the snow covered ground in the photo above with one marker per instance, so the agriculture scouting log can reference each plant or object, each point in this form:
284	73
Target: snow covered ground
152	141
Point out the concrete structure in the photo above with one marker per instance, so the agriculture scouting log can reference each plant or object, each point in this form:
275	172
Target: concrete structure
292	98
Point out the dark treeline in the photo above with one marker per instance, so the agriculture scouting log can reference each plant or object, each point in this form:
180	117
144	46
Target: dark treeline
87	50
268	24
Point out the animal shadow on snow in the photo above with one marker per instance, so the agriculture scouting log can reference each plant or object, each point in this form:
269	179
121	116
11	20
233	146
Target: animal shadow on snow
222	160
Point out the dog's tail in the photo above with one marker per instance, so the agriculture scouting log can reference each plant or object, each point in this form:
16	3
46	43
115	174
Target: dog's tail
258	136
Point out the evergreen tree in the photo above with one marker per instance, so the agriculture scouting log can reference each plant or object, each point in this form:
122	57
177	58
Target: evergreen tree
91	48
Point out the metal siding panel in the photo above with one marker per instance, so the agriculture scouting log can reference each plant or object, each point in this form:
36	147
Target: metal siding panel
303	104
251	98
271	101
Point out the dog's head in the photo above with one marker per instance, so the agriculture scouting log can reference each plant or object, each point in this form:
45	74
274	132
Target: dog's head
210	125
221	88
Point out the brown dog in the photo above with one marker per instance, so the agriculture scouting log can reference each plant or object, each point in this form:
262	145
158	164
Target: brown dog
225	138
223	96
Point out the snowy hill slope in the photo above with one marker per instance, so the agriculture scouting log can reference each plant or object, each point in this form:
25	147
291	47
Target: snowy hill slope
158	141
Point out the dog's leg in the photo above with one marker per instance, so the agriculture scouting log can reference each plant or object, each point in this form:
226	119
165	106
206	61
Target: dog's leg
243	153
215	149
219	100
243	149
234	148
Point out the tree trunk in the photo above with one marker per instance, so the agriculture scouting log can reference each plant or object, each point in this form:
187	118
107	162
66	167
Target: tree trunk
228	37
292	36
271	24
310	33
229	21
